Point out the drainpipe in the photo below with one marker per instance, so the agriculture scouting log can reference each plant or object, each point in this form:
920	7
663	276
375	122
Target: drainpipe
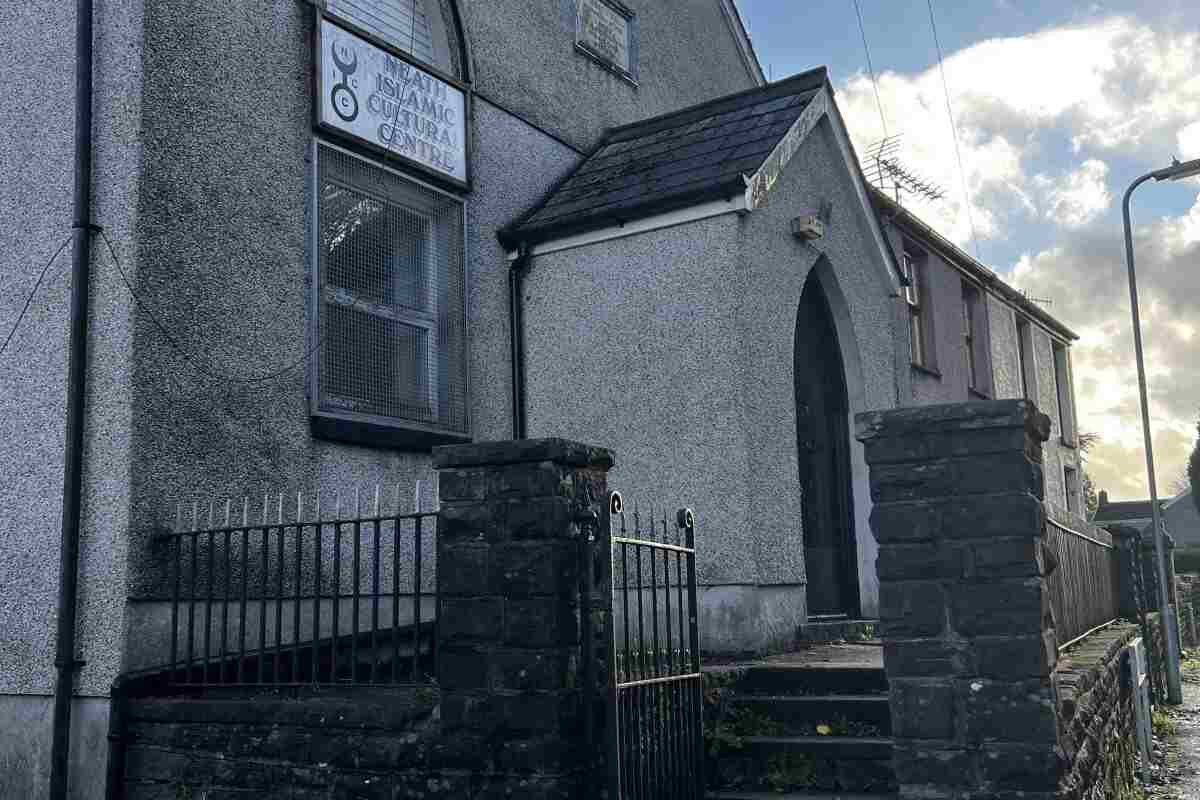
68	581
516	331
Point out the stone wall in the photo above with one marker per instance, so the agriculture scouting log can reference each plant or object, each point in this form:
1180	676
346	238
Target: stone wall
1096	717
506	717
293	743
969	647
983	704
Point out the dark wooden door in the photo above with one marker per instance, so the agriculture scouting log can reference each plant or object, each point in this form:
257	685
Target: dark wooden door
830	555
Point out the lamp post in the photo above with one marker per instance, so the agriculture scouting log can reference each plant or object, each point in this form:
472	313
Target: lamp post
1174	172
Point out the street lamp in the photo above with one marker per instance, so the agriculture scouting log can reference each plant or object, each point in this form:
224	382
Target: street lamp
1174	172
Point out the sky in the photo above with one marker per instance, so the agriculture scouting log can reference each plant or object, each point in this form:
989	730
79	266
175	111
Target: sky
1059	106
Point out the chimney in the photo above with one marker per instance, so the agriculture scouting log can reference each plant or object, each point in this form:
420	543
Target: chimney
1103	498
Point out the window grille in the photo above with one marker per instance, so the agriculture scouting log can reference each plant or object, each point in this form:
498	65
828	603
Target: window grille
404	24
390	298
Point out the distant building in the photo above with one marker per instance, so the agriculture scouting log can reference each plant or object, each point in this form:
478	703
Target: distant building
1179	515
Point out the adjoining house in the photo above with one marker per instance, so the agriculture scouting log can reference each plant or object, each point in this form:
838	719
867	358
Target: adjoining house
974	337
479	221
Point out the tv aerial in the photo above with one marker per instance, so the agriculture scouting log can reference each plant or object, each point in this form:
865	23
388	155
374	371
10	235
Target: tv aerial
886	172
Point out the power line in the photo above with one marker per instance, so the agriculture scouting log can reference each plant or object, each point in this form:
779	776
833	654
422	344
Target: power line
32	292
954	130
871	68
181	350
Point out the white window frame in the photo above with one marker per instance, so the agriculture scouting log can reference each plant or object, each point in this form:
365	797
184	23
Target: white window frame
1065	395
1072	494
913	265
1026	356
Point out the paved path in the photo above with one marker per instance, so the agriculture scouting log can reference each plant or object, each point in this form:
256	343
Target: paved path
1179	778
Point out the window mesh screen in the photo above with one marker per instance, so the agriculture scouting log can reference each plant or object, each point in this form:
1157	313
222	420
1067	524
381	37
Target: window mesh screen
401	23
391	306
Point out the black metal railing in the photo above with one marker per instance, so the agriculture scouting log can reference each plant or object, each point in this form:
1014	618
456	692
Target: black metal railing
1085	583
655	722
273	596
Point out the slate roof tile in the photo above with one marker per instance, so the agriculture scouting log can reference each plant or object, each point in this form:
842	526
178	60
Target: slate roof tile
672	161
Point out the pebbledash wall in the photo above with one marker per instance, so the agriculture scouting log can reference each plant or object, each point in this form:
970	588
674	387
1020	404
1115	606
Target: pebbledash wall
675	347
203	135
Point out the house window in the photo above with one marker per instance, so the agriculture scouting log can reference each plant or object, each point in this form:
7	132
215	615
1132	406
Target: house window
1066	406
390	318
912	263
413	26
970	333
1071	488
1025	359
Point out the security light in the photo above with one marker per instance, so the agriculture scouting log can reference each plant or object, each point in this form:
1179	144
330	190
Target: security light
1178	171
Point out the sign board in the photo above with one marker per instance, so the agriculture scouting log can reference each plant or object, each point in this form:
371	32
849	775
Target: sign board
376	97
603	31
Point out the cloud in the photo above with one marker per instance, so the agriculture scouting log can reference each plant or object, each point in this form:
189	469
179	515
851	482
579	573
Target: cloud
1110	87
1040	119
1189	141
1078	197
1085	275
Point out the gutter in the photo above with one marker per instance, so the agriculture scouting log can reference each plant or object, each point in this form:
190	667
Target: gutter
68	582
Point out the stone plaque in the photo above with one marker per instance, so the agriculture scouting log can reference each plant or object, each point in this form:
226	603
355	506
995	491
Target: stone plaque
603	31
387	102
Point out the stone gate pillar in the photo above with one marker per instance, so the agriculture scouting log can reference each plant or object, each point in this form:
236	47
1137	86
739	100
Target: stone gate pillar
969	646
509	660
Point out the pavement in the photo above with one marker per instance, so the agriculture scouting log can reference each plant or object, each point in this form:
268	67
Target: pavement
1176	771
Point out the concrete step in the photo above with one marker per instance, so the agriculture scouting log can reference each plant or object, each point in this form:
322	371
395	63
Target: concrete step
837	630
808	679
731	795
843	748
808	763
860	715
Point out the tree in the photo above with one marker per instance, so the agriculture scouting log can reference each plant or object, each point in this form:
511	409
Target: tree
1193	469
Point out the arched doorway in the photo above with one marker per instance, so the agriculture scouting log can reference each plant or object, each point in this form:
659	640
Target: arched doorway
823	439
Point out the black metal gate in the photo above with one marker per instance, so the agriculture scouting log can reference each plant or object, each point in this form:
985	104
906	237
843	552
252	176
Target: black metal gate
655	700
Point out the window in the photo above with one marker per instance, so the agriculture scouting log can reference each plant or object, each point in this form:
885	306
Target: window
971	350
1025	359
1071	488
413	26
912	263
389	306
1066	405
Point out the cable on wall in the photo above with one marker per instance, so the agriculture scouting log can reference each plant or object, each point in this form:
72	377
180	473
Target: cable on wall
193	361
32	292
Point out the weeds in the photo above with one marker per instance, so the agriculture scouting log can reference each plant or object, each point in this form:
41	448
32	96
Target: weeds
787	771
1162	723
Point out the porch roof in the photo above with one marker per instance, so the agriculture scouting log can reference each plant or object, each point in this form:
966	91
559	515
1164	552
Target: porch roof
701	153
